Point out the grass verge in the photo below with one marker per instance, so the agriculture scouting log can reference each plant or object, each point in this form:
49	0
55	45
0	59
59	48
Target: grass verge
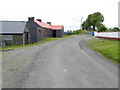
109	48
35	44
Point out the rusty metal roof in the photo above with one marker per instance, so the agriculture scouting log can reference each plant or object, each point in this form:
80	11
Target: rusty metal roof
46	25
42	24
57	27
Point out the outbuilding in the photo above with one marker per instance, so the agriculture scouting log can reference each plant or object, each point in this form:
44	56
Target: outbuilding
14	32
58	30
34	29
45	28
40	30
27	32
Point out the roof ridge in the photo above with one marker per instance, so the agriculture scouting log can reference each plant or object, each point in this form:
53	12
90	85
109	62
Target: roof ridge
46	25
11	21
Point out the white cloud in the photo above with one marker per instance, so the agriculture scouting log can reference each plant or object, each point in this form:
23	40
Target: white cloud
65	12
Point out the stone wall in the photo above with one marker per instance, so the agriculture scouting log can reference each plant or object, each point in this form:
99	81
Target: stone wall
18	39
6	40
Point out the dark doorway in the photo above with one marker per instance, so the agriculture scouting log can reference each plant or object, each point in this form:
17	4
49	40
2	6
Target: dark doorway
54	33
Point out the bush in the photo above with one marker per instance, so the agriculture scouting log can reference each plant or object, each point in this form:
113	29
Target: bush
79	32
114	29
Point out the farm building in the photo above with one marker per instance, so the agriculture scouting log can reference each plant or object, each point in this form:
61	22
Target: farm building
38	29
14	32
58	30
32	31
46	29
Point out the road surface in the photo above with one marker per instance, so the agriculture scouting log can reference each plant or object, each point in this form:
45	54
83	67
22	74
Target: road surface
66	63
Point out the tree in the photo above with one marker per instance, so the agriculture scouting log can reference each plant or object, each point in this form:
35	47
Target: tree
86	25
95	19
110	29
101	28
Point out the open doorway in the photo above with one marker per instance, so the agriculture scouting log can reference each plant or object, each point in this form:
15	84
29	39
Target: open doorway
54	33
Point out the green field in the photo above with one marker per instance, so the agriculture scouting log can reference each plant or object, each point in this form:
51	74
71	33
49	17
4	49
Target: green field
35	44
109	48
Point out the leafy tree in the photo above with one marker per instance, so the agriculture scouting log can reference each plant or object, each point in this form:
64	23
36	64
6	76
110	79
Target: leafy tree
101	28
86	25
93	20
110	29
96	19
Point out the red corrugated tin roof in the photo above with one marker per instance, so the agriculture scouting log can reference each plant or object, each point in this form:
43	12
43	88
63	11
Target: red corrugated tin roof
42	24
57	27
45	25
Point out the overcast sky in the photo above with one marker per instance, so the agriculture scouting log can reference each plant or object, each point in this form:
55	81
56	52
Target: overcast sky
60	12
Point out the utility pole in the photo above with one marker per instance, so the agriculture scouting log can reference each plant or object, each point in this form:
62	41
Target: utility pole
81	23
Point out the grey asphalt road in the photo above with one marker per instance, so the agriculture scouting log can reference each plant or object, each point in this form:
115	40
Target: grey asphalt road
66	63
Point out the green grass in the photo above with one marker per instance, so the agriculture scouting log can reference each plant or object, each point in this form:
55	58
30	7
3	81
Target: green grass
109	48
35	44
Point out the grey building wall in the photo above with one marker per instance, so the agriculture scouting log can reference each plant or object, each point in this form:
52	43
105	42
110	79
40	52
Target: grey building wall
38	35
49	32
59	33
7	40
14	32
46	32
42	33
17	39
4	38
34	31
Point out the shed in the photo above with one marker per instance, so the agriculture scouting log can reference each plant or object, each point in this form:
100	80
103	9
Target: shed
34	28
14	32
41	30
45	28
58	30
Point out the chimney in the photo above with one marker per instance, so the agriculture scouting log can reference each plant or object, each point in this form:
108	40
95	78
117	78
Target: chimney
40	20
30	18
49	23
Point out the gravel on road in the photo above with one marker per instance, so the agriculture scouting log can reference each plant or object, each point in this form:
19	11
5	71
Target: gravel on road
65	63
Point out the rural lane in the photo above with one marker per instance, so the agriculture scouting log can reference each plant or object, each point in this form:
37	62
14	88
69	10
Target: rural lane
65	63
